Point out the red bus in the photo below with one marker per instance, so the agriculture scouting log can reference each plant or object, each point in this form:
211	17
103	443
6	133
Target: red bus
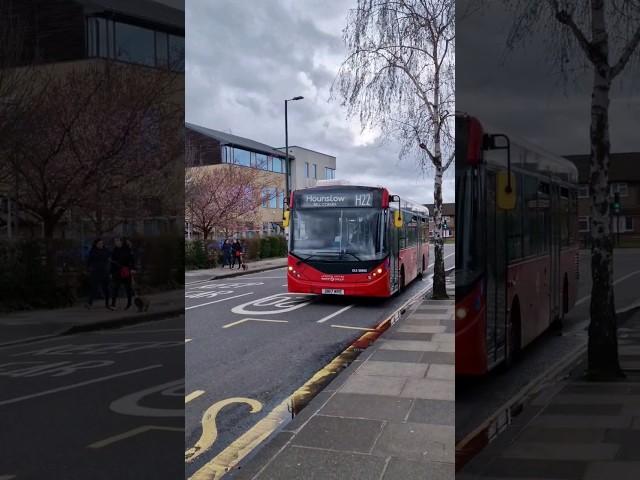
354	240
517	246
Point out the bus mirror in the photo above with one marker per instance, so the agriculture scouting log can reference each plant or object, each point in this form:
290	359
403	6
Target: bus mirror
285	218
397	219
506	190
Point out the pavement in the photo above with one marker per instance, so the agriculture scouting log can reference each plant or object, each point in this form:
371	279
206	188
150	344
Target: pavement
192	276
573	429
389	415
31	325
251	345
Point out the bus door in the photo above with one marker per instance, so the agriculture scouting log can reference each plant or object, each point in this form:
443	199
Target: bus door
393	239
496	273
556	218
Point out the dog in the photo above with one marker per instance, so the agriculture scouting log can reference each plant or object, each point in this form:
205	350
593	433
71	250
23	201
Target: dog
244	266
141	303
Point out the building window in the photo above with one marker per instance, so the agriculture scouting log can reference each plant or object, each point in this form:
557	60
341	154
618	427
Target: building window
273	198
306	169
277	165
261	161
620	188
583	224
281	200
315	171
329	173
583	191
241	157
130	43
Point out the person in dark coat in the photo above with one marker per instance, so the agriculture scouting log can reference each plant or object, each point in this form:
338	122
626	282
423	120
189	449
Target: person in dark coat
122	263
98	267
237	252
226	253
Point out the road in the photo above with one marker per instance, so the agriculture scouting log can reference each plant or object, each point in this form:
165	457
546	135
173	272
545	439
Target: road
248	339
477	399
99	405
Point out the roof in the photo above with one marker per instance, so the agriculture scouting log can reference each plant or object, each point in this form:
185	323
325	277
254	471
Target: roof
448	209
235	141
149	10
623	166
308	150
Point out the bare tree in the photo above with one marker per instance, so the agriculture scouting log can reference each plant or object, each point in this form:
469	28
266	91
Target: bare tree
98	131
225	197
605	36
399	77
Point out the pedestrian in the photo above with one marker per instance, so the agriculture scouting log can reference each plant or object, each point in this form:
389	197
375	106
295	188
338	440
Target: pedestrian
98	267
226	253
237	254
122	264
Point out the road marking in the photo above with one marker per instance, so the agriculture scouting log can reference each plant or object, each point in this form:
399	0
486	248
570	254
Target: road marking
253	320
432	264
76	385
130	404
187	340
209	428
334	314
193	395
218	301
131	433
282	302
621	279
354	328
130	330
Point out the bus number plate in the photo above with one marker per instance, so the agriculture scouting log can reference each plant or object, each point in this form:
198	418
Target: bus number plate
332	291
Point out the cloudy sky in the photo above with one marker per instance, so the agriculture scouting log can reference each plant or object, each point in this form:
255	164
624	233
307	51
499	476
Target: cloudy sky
245	57
522	92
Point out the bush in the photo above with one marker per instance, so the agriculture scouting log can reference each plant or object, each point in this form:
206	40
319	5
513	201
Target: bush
195	256
265	247
253	248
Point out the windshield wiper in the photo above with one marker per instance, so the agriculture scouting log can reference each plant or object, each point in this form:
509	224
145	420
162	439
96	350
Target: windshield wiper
352	254
300	259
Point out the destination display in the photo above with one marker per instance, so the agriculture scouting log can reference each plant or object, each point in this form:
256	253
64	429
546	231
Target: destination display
338	198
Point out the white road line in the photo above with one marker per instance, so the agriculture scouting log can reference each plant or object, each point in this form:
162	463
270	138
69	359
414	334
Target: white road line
187	340
193	395
218	301
335	314
432	264
621	279
354	328
253	320
76	385
132	433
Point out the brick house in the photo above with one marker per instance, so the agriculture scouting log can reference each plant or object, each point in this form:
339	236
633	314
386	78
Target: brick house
448	215
624	178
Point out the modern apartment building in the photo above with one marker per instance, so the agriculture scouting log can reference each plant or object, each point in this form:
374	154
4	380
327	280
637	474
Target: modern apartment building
69	35
309	166
624	179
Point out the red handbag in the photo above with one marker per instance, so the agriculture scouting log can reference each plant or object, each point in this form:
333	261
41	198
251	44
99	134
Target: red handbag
125	272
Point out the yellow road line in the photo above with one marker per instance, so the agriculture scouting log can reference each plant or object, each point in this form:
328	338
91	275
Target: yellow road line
132	433
193	395
209	428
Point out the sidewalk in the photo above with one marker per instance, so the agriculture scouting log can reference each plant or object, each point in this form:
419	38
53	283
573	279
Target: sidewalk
574	429
216	273
31	324
390	415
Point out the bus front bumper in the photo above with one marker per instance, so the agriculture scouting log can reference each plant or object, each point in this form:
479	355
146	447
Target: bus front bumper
375	288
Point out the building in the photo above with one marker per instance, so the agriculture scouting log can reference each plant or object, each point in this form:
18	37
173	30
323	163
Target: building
448	216
309	166
624	179
66	35
207	148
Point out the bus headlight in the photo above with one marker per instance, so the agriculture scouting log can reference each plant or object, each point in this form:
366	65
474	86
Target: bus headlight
290	268
379	271
461	313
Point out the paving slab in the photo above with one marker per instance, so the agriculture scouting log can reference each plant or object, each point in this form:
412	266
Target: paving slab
613	471
375	407
413	345
373	384
393	369
400	469
341	434
397	356
434	412
429	389
417	441
567	451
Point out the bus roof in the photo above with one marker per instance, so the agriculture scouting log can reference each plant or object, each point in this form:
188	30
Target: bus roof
530	157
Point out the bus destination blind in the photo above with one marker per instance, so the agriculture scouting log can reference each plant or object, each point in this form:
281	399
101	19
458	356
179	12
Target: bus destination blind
339	199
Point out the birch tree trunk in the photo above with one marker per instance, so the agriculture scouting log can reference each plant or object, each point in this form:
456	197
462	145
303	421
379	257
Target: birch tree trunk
603	341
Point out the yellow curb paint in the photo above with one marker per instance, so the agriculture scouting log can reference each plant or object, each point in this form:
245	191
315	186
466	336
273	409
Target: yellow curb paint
193	395
209	428
131	433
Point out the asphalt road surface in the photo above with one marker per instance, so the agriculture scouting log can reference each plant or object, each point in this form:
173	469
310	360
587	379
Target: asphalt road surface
99	405
477	399
249	339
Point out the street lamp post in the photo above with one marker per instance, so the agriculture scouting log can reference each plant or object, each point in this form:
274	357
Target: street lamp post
286	147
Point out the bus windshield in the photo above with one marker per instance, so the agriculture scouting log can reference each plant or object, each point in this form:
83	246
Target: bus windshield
350	234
